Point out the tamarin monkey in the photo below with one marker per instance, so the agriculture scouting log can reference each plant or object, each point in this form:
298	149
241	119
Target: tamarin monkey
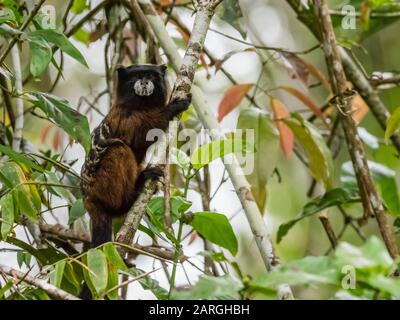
113	173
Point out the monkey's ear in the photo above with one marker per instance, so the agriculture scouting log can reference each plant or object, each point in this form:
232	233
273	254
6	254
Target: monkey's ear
163	68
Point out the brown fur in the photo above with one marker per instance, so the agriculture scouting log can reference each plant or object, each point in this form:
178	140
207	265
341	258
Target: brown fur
115	175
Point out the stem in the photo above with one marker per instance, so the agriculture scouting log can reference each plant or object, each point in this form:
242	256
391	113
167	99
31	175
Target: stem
353	72
177	251
19	115
39	283
370	199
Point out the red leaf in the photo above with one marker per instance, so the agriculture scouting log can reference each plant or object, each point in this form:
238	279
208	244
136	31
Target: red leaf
232	99
286	135
57	140
299	68
309	102
44	133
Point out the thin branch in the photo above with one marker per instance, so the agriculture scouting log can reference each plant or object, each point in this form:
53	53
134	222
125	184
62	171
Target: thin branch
370	199
39	283
206	116
19	115
323	217
372	15
355	75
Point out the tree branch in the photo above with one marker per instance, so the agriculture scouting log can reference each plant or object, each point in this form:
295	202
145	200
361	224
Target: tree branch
181	90
369	196
358	79
53	291
206	116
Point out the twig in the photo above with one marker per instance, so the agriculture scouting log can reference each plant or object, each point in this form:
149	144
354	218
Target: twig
372	15
206	116
323	217
135	215
19	126
49	288
354	74
369	196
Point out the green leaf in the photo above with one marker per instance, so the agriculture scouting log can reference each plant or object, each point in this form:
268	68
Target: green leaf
393	123
97	264
59	272
71	277
385	284
20	158
26	197
79	6
112	282
216	228
58	39
43	260
211	288
334	197
372	255
7	286
77	211
58	110
113	256
209	152
82	36
386	183
7	214
369	26
24	257
148	283
41	55
179	205
319	156
320	270
267	144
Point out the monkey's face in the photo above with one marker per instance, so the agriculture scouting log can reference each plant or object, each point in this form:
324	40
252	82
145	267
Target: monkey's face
142	85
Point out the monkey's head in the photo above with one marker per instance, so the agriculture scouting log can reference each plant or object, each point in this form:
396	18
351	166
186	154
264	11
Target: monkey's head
142	86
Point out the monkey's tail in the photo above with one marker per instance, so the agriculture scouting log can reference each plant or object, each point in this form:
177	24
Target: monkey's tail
101	233
101	230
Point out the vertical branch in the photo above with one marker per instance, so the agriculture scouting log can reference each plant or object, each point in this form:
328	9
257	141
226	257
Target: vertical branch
19	115
19	126
181	90
353	73
370	199
209	121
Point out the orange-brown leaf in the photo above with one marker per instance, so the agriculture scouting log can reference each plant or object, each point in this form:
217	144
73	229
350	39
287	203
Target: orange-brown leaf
286	135
232	99
308	101
359	108
57	140
44	132
318	75
193	237
185	36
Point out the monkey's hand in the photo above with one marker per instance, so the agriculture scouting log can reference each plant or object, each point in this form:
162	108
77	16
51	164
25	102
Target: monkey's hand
177	106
